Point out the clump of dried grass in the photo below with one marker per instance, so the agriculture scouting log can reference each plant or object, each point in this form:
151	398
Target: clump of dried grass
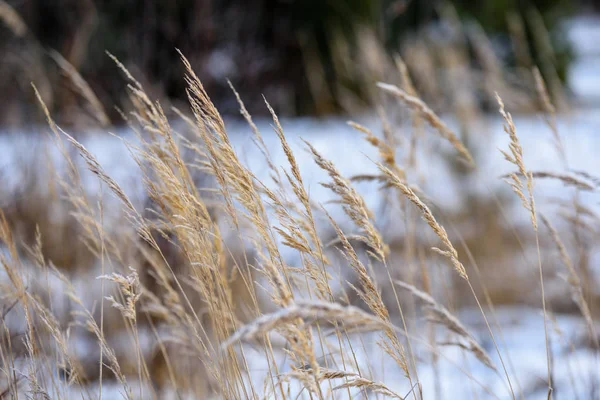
196	302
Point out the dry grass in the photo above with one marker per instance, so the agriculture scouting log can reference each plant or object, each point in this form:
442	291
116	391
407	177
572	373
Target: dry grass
201	275
428	115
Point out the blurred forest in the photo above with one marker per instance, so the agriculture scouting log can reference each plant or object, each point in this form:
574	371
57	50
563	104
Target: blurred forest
306	57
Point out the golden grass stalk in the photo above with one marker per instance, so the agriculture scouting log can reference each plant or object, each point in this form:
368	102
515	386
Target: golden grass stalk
353	203
12	265
306	222
76	373
428	115
95	167
258	139
369	292
449	252
233	176
356	208
407	82
313	258
516	158
301	375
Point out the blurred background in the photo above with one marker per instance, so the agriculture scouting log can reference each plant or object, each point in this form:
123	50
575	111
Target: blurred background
308	57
